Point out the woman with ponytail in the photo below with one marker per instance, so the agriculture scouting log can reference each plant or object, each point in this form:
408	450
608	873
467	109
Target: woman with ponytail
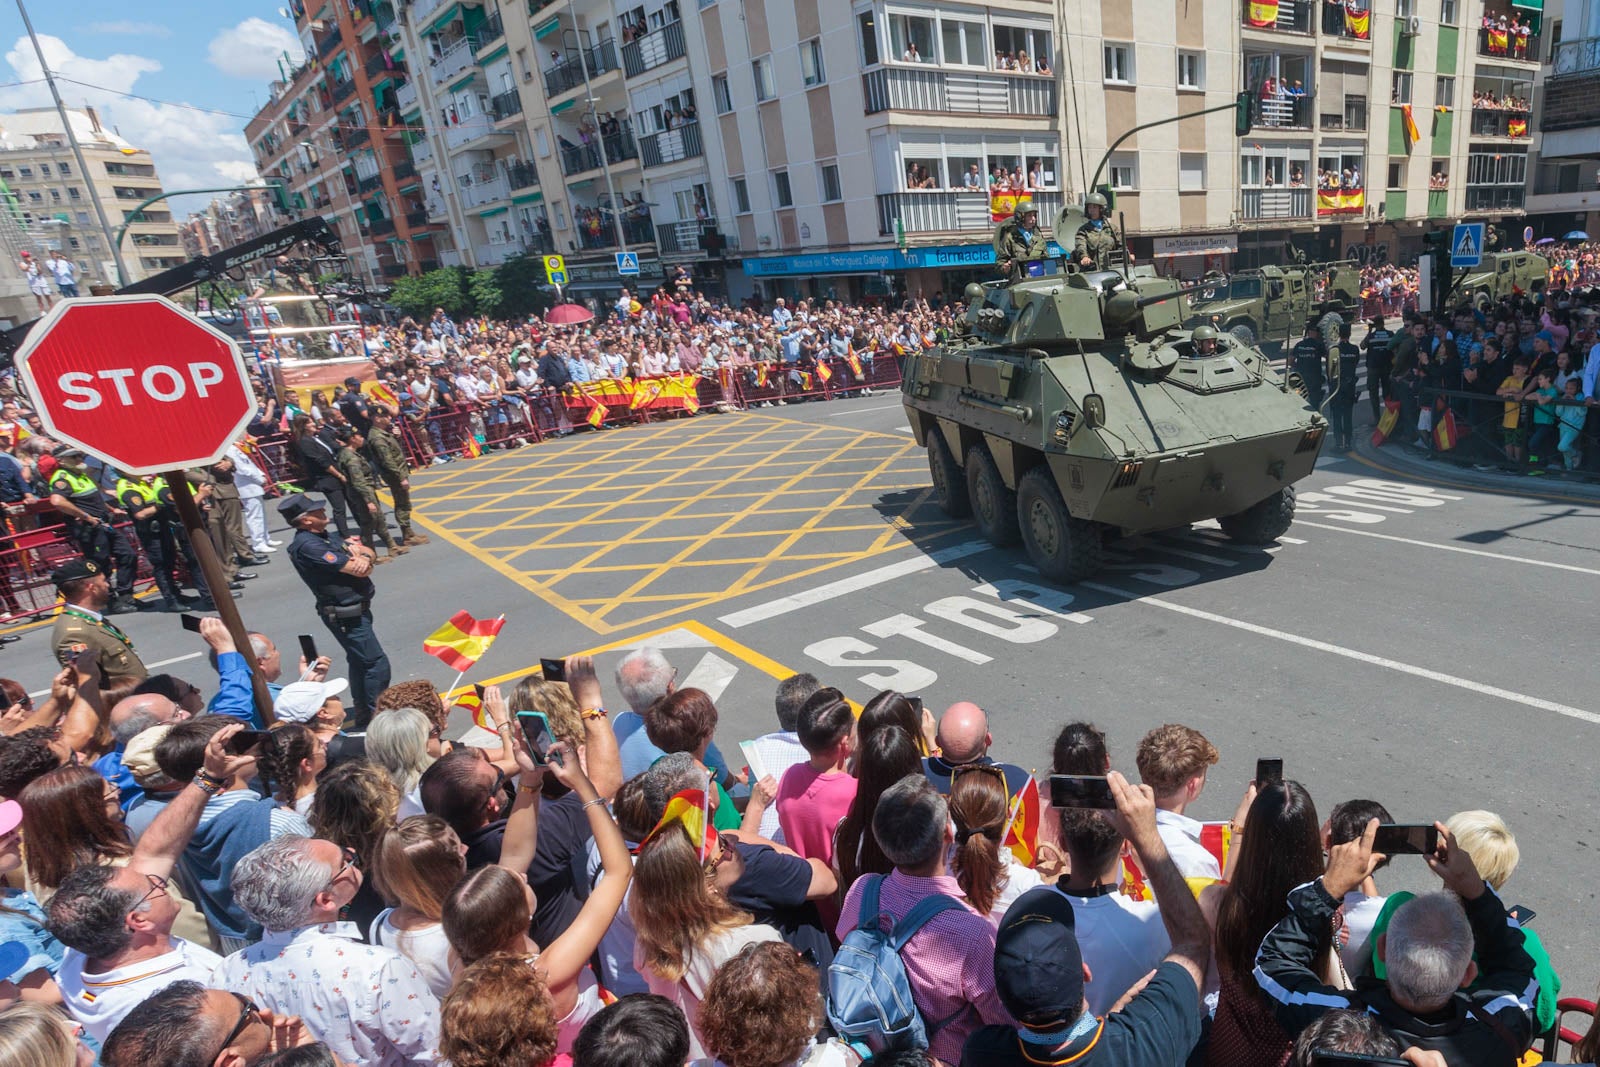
984	868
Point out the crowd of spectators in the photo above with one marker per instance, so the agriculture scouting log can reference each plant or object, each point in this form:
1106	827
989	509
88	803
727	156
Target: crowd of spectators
1487	101
1017	62
266	901
1506	37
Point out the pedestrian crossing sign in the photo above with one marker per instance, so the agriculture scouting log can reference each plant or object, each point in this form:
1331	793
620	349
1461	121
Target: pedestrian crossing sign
555	269
627	263
1466	245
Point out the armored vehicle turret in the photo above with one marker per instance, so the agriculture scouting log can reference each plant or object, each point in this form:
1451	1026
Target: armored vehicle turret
1076	406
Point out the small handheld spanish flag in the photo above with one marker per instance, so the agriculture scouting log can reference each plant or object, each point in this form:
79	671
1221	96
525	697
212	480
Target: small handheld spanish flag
690	809
462	641
470	447
472	701
383	395
761	375
1022	824
855	363
597	415
824	373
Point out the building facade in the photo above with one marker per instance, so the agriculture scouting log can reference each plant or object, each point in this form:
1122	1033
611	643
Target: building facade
231	220
1564	185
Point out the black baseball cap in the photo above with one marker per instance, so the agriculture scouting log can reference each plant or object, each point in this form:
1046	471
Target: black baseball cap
1038	968
295	505
353	382
74	569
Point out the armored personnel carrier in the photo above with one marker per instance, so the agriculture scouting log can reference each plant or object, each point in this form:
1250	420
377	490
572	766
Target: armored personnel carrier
1265	306
1075	406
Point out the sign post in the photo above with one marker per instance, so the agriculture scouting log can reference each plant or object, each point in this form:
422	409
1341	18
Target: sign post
140	384
555	271
1466	245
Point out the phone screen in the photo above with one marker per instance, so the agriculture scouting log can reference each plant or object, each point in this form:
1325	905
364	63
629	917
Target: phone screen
308	649
1523	915
1406	839
536	728
554	670
190	622
1081	791
1269	772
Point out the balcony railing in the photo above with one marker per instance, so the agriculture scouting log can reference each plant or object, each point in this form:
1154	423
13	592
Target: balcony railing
1581	56
421	151
521	175
575	159
568	74
416	219
1338	22
380	226
381	61
1275	203
682	238
357	135
366	185
490	31
506	104
452	61
653	49
328	42
404	169
459	133
1286	112
405	97
1494	123
342	91
947	211
670	146
965	92
1287	16
1507	45
1494	198
485	191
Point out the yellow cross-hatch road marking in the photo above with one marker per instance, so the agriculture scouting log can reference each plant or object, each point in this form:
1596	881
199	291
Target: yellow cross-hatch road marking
630	527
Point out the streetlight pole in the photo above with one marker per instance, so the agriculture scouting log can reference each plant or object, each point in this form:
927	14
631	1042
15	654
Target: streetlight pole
77	150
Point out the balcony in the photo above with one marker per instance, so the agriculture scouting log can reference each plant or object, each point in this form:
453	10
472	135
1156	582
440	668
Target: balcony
670	146
682	238
492	29
568	74
1493	122
653	49
1286	112
1494	198
1496	44
393	270
575	159
421	9
343	91
1275	203
1572	88
507	104
366	185
380	226
521	175
459	133
327	43
964	92
484	191
451	62
380	62
1339	24
403	170
1285	16
405	96
421	151
356	136
1438	203
416	219
947	211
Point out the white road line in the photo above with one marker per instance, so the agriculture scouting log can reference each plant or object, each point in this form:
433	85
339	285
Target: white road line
845	586
1452	548
863	411
159	663
903	429
1354	654
1169	545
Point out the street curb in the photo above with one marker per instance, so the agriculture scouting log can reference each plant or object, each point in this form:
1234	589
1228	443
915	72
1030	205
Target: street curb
1412	463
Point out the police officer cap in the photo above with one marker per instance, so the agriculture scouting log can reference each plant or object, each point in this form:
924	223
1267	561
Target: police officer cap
295	505
74	569
353	382
67	452
1094	198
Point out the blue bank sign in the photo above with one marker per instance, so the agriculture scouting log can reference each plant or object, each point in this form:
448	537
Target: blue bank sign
876	260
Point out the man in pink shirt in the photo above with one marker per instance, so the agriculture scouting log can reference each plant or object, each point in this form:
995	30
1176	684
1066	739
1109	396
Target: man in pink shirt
815	795
950	961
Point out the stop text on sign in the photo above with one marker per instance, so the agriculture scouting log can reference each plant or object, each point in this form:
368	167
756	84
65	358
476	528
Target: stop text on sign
160	382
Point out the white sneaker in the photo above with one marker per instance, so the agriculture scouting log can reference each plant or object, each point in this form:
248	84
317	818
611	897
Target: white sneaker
274	544
261	550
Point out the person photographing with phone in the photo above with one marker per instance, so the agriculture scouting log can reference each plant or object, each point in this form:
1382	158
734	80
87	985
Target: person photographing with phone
1428	952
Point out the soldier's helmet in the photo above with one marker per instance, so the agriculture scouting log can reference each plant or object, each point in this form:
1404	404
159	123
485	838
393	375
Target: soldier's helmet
1023	207
1095	200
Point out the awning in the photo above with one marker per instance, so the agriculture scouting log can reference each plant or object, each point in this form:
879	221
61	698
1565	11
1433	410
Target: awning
460	82
564	105
545	29
443	20
496	54
492	212
1529	5
528	198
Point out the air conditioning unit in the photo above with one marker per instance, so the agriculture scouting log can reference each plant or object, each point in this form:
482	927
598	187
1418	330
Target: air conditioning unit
1413	25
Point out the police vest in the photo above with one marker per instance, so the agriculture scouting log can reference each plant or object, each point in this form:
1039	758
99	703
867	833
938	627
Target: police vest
81	484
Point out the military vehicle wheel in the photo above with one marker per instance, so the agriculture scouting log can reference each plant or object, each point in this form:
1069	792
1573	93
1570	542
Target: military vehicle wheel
1244	333
994	507
1262	522
1064	549
949	487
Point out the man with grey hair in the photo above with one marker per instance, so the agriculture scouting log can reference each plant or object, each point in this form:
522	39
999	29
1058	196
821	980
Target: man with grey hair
1475	1012
950	960
369	1005
643	677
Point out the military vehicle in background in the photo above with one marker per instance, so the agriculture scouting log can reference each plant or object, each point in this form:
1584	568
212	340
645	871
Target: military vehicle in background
1268	305
1501	274
1075	406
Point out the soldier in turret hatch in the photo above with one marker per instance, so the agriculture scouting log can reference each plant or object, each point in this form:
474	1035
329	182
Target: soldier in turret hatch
1097	238
1204	339
1018	240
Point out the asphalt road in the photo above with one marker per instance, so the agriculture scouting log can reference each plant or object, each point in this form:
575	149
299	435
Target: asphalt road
1422	646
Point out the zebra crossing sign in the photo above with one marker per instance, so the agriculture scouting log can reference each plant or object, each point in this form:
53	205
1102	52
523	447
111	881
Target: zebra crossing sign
1466	245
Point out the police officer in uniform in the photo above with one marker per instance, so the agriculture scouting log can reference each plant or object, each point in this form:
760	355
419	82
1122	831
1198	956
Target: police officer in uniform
1341	409
76	494
82	627
1307	358
1204	341
339	576
1019	240
1096	238
142	501
1379	365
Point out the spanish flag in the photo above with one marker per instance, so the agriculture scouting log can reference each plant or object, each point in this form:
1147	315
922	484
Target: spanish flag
691	395
1412	136
690	809
597	415
1002	206
1262	12
1022	824
1358	25
805	381
1517	128
761	375
644	395
462	641
824	373
1497	40
855	363
1444	430
1215	837
470	447
473	702
383	395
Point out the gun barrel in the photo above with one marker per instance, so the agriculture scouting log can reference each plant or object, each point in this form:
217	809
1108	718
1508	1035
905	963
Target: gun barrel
1156	298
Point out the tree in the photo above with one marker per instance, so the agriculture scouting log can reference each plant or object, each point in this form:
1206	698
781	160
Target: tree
484	287
443	288
523	288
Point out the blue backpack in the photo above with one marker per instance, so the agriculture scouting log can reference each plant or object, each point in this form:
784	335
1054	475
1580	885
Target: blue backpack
869	994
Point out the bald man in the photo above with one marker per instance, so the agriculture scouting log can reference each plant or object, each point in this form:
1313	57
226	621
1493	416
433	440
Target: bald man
964	740
129	718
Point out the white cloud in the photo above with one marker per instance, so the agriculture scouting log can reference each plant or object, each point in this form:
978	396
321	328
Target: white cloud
192	149
252	49
129	28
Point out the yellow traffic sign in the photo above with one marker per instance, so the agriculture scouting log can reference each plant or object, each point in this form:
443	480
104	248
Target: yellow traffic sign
555	269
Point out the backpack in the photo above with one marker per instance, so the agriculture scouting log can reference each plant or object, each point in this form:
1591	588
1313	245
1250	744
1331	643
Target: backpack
869	1000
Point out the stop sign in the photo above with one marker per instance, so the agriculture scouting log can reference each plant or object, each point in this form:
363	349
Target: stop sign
137	381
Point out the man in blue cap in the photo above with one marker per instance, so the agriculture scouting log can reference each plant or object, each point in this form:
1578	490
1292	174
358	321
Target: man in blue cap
1040	975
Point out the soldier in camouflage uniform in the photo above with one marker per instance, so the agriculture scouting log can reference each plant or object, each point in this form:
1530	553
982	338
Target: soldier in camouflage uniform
362	492
1097	238
389	460
1019	240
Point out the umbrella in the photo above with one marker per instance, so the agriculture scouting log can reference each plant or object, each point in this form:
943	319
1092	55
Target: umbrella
1545	241
566	314
1576	235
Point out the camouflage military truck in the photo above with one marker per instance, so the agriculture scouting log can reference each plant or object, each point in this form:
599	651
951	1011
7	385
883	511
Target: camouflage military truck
1266	306
1502	274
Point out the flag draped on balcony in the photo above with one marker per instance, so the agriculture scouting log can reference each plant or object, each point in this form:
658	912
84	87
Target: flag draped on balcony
1001	206
1358	23
1497	41
1412	136
1517	127
1263	12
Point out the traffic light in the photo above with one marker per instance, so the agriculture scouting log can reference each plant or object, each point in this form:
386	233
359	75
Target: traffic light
1243	113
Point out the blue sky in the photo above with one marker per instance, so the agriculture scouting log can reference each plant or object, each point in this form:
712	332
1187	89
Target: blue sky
210	55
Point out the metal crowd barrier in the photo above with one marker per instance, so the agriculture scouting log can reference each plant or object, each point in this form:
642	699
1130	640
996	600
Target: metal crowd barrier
1480	436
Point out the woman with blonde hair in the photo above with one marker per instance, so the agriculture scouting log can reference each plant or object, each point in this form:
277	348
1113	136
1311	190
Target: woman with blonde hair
402	742
414	868
499	1013
355	806
983	866
32	1035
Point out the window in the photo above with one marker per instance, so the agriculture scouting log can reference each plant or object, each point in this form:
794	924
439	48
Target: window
780	188
64	170
1124	171
1119	63
26	172
1397	174
1447	12
911	38
74	193
1401	93
1191	70
1355	112
763	75
82	217
1444	92
741	197
1191	171
44	170
55	196
1020	43
1250	170
831	189
1404	9
720	96
866	23
963	43
811	71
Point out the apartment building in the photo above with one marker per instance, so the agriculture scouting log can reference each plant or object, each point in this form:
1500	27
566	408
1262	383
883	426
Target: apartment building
1564	186
50	204
332	131
230	220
